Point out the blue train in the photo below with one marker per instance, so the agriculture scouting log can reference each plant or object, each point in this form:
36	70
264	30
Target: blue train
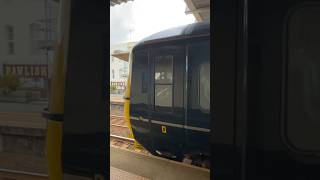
169	86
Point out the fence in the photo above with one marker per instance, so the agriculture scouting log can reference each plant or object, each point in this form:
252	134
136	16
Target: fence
117	87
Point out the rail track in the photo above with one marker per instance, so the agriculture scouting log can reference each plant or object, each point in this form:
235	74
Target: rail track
7	174
126	143
118	126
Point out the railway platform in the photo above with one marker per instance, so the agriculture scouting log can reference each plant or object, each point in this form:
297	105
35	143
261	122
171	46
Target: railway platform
22	139
116	99
8	174
155	168
118	174
116	105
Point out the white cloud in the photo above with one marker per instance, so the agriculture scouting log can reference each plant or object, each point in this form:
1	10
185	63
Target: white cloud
146	17
121	18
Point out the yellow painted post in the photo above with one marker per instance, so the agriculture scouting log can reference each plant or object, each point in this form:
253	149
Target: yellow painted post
127	101
56	101
54	126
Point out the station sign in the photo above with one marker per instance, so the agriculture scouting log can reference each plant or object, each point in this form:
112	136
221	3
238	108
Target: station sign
27	70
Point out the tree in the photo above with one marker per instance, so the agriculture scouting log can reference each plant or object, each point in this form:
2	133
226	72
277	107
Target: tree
9	83
113	88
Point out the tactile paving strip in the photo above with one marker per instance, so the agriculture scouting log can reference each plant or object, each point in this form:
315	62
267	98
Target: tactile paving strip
118	174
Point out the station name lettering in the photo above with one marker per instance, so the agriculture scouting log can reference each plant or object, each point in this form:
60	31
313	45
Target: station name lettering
27	71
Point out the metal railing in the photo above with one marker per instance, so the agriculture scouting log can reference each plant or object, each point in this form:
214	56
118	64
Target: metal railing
117	87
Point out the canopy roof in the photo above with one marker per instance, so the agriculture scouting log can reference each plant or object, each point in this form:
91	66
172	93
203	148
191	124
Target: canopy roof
121	55
199	8
117	2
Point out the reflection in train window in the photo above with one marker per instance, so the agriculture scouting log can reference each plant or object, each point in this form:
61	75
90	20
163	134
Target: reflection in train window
139	76
144	86
24	82
10	39
163	69
163	95
204	88
303	78
163	81
199	76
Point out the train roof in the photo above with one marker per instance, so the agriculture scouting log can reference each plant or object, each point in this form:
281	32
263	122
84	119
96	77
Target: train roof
181	32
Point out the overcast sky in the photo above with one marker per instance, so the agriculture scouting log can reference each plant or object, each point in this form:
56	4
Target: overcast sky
145	17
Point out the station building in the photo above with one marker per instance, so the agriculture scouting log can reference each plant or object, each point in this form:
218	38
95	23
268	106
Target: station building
119	65
28	31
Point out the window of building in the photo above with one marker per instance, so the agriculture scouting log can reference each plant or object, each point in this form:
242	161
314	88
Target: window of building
10	40
113	77
204	86
163	86
123	73
51	20
36	37
303	79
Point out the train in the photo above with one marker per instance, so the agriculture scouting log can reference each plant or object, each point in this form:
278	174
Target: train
266	97
167	100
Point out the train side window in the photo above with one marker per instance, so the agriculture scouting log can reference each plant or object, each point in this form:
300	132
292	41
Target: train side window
163	81
163	69
303	79
204	86
199	76
139	89
144	86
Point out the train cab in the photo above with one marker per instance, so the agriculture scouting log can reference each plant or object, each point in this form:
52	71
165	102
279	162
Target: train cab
170	92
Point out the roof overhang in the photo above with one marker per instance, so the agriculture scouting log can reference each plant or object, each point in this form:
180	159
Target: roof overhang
117	2
121	55
199	8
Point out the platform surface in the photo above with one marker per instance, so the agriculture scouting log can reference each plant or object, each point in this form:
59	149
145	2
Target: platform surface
22	115
155	168
118	174
22	120
116	98
23	162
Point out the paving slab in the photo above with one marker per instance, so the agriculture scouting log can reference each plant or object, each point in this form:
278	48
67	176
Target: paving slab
118	174
116	99
155	168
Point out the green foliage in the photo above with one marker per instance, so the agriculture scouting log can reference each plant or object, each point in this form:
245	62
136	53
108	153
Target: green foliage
113	88
9	83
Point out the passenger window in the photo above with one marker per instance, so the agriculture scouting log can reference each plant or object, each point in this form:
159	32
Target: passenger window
163	69
204	88
303	79
144	87
163	81
199	76
163	95
139	76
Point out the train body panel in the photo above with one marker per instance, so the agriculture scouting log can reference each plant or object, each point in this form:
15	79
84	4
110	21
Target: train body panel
170	91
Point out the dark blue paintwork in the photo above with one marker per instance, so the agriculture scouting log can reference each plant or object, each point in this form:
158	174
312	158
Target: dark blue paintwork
185	110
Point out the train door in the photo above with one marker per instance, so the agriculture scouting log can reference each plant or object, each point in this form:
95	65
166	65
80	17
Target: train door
167	64
270	130
139	98
198	97
286	90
